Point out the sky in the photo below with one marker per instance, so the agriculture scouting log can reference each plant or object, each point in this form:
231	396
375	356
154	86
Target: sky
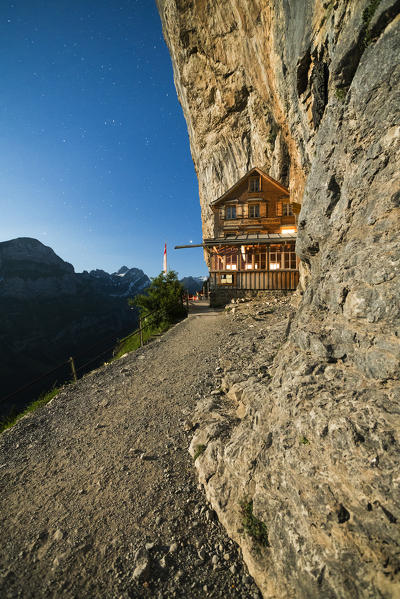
95	158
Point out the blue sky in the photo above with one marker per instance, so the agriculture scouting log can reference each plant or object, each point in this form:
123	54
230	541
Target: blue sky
95	158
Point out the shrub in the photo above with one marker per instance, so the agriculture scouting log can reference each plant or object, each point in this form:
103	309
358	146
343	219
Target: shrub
341	93
199	450
164	297
252	525
367	15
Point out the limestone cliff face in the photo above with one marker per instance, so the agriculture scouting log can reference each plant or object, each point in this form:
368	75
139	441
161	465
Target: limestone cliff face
309	91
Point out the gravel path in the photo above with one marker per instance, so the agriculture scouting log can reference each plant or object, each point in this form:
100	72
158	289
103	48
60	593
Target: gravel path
99	496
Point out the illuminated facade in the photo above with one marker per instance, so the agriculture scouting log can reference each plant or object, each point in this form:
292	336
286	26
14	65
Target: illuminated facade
254	236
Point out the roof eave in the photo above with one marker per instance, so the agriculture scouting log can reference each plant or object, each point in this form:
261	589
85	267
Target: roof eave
248	174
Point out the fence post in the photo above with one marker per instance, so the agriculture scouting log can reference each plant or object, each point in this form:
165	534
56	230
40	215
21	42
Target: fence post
141	332
71	361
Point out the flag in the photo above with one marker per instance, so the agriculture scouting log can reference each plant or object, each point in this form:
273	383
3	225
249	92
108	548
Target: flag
165	259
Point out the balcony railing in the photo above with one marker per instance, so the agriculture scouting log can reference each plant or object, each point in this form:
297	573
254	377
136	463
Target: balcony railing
249	220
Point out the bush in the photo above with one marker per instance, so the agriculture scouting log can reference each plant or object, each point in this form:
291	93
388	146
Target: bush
164	297
254	527
199	450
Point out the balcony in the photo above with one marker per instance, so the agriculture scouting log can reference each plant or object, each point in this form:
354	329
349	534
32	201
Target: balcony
247	221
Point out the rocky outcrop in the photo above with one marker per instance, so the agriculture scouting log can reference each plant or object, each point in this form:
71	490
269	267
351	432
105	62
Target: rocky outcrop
48	312
309	91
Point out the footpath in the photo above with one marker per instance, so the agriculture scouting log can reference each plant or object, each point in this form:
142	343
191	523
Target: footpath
99	495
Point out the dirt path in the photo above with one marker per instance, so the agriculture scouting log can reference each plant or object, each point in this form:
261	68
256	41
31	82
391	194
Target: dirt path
98	492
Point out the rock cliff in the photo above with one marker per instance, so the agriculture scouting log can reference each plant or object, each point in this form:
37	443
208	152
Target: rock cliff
309	91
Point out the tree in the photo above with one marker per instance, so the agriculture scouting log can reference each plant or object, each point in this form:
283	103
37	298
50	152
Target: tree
164	298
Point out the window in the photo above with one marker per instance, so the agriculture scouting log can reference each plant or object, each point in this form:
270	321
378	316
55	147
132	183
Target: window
254	184
231	259
287	210
226	279
278	208
254	210
289	257
224	259
275	257
252	257
282	256
230	212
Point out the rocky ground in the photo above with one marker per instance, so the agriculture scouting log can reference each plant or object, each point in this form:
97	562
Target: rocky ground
99	496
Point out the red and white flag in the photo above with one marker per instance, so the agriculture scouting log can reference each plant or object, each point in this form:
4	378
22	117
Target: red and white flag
165	259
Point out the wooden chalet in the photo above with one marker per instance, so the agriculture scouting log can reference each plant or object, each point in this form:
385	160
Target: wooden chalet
255	229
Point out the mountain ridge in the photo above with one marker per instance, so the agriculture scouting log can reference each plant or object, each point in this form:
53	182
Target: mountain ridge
49	312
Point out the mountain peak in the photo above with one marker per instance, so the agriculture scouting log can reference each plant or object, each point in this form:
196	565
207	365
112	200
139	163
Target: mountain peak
36	257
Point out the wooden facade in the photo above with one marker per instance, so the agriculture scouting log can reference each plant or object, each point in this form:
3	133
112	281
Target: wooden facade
255	228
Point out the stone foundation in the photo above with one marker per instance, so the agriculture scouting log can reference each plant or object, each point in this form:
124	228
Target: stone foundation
221	296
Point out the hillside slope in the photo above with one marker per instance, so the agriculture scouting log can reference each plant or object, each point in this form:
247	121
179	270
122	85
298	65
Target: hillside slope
309	91
48	313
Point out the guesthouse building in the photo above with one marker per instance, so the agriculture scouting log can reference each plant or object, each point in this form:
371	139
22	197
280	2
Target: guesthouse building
253	246
255	227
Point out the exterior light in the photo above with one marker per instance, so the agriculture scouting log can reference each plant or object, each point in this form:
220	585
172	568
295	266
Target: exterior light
288	231
274	265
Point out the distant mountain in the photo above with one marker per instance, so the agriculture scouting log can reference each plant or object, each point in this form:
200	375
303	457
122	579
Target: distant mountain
124	283
193	284
48	313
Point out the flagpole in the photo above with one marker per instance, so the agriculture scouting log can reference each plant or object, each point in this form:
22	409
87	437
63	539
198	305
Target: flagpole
165	259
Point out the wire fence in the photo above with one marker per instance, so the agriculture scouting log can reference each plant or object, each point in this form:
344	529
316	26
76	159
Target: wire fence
70	371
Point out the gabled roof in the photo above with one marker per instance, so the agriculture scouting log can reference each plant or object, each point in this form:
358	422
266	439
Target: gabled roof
248	174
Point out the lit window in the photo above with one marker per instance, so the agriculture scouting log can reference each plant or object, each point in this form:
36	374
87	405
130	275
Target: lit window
287	210
254	210
230	212
288	231
254	184
275	257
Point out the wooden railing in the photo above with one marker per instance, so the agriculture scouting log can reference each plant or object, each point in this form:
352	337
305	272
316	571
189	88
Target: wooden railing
258	279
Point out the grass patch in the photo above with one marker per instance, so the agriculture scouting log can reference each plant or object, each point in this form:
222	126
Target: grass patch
304	441
254	527
367	15
38	403
133	342
199	450
341	93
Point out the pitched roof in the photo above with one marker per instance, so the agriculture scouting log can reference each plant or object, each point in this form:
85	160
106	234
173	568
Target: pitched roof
248	174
